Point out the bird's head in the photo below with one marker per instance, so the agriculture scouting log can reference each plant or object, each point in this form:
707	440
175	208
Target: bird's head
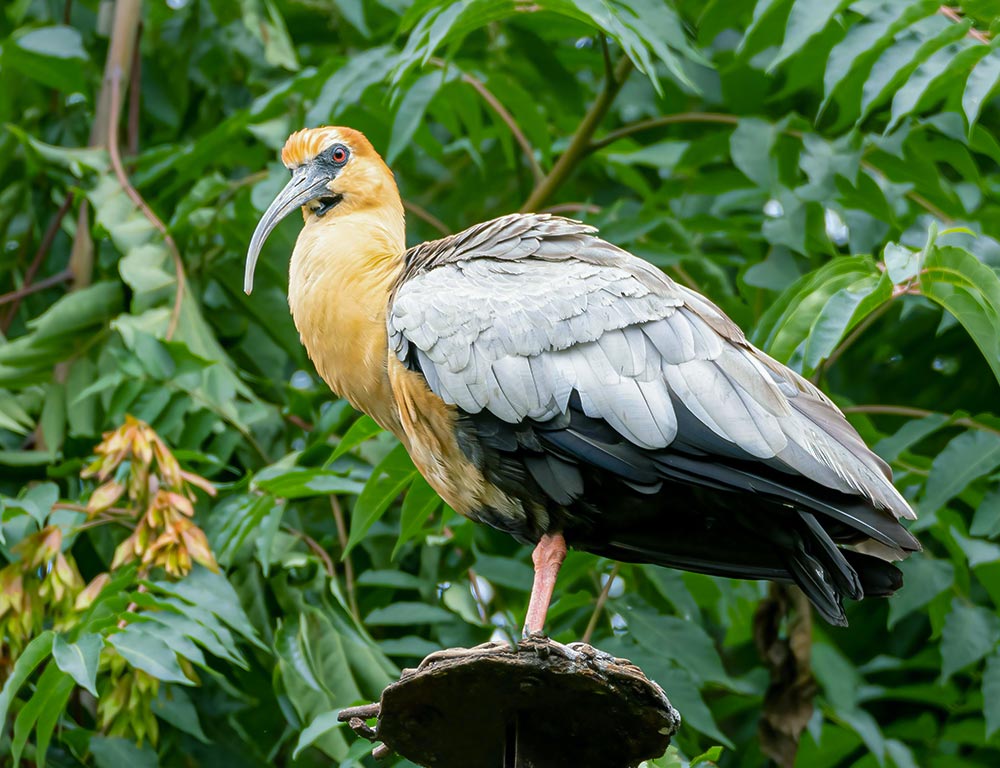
335	172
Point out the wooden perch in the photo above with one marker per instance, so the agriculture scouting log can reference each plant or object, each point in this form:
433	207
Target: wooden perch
538	705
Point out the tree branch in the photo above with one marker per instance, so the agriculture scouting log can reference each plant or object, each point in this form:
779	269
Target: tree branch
578	145
133	193
487	95
41	285
659	122
955	16
724	119
919	413
599	605
338	519
423	214
853	336
36	262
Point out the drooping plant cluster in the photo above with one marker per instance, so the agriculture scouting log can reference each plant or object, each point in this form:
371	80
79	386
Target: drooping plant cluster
827	172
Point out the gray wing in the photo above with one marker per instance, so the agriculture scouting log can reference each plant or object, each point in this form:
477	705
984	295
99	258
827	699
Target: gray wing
516	314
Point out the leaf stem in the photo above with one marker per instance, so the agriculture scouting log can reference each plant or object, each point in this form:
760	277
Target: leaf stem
920	413
659	122
578	145
424	215
36	262
724	119
41	285
338	519
954	15
116	163
599	605
317	548
853	336
497	106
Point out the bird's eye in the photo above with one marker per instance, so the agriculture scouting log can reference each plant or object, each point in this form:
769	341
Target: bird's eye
339	155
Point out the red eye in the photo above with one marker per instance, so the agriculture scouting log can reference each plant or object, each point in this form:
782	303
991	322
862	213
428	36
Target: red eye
339	155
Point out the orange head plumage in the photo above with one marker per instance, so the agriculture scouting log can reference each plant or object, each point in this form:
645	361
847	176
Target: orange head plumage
335	173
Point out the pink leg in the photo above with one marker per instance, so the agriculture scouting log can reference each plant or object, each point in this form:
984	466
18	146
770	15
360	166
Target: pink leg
548	558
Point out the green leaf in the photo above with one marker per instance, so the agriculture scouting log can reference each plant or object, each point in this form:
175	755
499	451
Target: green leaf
845	309
361	430
925	77
402	613
911	433
174	706
806	19
664	155
303	482
750	146
53	56
419	504
901	263
991	694
970	455
710	756
787	323
411	111
37	502
78	311
902	57
387	481
683	641
320	725
41	713
982	81
505	571
970	632
212	591
970	291
924	578
149	653
986	521
114	752
79	659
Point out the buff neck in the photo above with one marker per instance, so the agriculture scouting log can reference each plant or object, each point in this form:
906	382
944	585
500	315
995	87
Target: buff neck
342	271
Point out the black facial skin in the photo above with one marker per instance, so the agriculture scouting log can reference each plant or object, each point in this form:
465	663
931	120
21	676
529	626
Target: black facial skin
330	161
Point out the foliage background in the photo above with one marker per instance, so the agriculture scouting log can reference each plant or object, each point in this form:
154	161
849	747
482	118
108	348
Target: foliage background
825	171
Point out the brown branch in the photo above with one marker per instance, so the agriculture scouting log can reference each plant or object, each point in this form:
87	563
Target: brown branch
954	15
659	122
853	336
685	276
478	596
134	91
425	215
919	413
599	606
338	519
919	199
298	421
41	285
487	95
316	547
572	208
578	145
124	31
724	119
43	249
133	193
133	606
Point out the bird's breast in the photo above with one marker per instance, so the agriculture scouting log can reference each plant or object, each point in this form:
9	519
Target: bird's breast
429	427
338	293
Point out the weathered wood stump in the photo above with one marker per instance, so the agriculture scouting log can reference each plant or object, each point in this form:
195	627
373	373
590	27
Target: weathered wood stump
540	704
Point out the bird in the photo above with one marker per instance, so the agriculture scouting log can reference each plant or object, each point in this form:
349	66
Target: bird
554	386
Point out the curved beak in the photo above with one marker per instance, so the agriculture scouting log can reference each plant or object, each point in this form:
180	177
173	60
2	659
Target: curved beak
307	184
